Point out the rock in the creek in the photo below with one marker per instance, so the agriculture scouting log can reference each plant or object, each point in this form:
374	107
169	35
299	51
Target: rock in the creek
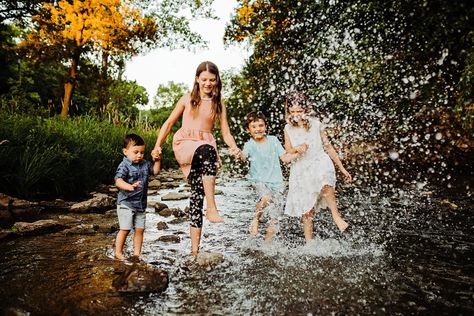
170	238
99	202
141	278
11	208
166	212
154	184
209	259
159	206
449	204
169	185
174	196
161	226
178	220
38	227
177	212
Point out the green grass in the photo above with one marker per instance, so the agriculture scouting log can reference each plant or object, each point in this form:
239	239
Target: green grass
52	157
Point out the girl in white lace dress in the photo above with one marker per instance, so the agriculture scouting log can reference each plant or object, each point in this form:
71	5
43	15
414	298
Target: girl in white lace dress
312	177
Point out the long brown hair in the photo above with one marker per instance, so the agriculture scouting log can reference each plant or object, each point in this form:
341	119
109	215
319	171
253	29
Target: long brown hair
216	92
302	100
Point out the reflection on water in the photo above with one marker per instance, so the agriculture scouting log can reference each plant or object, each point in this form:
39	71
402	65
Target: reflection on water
405	254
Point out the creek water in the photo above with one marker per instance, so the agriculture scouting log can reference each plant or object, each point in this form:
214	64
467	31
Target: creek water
407	252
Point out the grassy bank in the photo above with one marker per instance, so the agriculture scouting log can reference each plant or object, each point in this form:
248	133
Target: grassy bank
51	157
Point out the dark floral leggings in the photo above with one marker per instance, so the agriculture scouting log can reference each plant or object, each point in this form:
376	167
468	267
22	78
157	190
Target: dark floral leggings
204	164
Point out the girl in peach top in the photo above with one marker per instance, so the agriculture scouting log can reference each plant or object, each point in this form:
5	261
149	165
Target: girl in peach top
194	144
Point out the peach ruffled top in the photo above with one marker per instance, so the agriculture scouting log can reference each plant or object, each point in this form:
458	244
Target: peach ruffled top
196	130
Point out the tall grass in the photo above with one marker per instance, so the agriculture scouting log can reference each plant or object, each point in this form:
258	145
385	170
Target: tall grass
54	157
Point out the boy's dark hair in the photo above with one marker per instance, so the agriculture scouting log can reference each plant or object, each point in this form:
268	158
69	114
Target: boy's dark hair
255	116
134	140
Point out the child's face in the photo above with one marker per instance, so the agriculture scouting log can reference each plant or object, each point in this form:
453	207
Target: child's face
296	112
257	129
134	153
207	81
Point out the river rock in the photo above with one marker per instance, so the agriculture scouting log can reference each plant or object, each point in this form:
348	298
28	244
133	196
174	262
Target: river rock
170	238
166	212
38	227
99	202
174	196
154	184
161	226
159	206
209	259
141	278
169	185
177	212
178	220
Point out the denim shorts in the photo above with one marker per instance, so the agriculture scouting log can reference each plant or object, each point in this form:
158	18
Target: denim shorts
275	209
130	218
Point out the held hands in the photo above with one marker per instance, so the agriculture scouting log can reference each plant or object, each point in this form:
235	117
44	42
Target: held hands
156	153
236	152
301	149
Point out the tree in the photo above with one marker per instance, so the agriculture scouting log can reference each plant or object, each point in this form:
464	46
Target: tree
67	30
168	95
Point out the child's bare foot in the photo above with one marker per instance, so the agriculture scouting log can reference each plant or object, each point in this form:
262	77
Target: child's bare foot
253	229
342	225
194	253
213	216
119	256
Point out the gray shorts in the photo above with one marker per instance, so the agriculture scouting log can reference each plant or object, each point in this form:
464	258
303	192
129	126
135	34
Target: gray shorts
275	209
130	218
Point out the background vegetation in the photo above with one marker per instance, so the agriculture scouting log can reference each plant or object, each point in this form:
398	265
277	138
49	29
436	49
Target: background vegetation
395	79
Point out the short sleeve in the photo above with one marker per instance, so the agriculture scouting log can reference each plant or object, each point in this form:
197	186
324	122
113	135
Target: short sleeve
247	149
279	148
122	171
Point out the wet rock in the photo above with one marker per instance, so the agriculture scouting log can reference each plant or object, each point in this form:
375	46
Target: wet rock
169	238
13	311
177	212
11	208
57	204
166	212
152	192
169	185
99	202
141	278
178	220
5	215
209	259
38	227
218	192
6	233
449	204
154	184
174	196
159	206
161	226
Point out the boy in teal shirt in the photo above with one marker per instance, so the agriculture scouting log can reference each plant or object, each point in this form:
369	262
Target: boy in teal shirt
264	154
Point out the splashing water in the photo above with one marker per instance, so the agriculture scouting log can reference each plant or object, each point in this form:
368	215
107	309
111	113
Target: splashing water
401	256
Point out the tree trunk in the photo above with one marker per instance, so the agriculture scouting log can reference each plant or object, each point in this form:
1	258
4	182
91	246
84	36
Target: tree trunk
70	85
103	93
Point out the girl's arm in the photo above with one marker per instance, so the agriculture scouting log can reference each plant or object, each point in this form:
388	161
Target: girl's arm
300	150
288	147
289	157
333	155
226	135
167	125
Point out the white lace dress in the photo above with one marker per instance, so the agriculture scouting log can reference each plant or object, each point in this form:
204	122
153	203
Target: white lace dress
309	173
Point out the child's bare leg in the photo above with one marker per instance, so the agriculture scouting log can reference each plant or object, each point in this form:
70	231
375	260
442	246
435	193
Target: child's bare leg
138	241
195	235
209	184
271	229
264	201
330	196
308	225
119	243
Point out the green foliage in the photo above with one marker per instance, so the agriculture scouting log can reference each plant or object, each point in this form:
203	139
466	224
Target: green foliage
50	157
168	95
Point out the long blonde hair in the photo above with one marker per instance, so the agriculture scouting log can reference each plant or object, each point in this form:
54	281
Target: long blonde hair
216	92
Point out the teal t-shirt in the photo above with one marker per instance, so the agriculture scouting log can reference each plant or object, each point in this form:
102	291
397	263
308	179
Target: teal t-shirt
264	161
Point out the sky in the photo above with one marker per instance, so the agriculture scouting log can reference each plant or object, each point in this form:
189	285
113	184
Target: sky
162	65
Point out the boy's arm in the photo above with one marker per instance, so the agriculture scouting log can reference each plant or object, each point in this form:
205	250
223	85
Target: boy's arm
289	157
122	185
156	166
